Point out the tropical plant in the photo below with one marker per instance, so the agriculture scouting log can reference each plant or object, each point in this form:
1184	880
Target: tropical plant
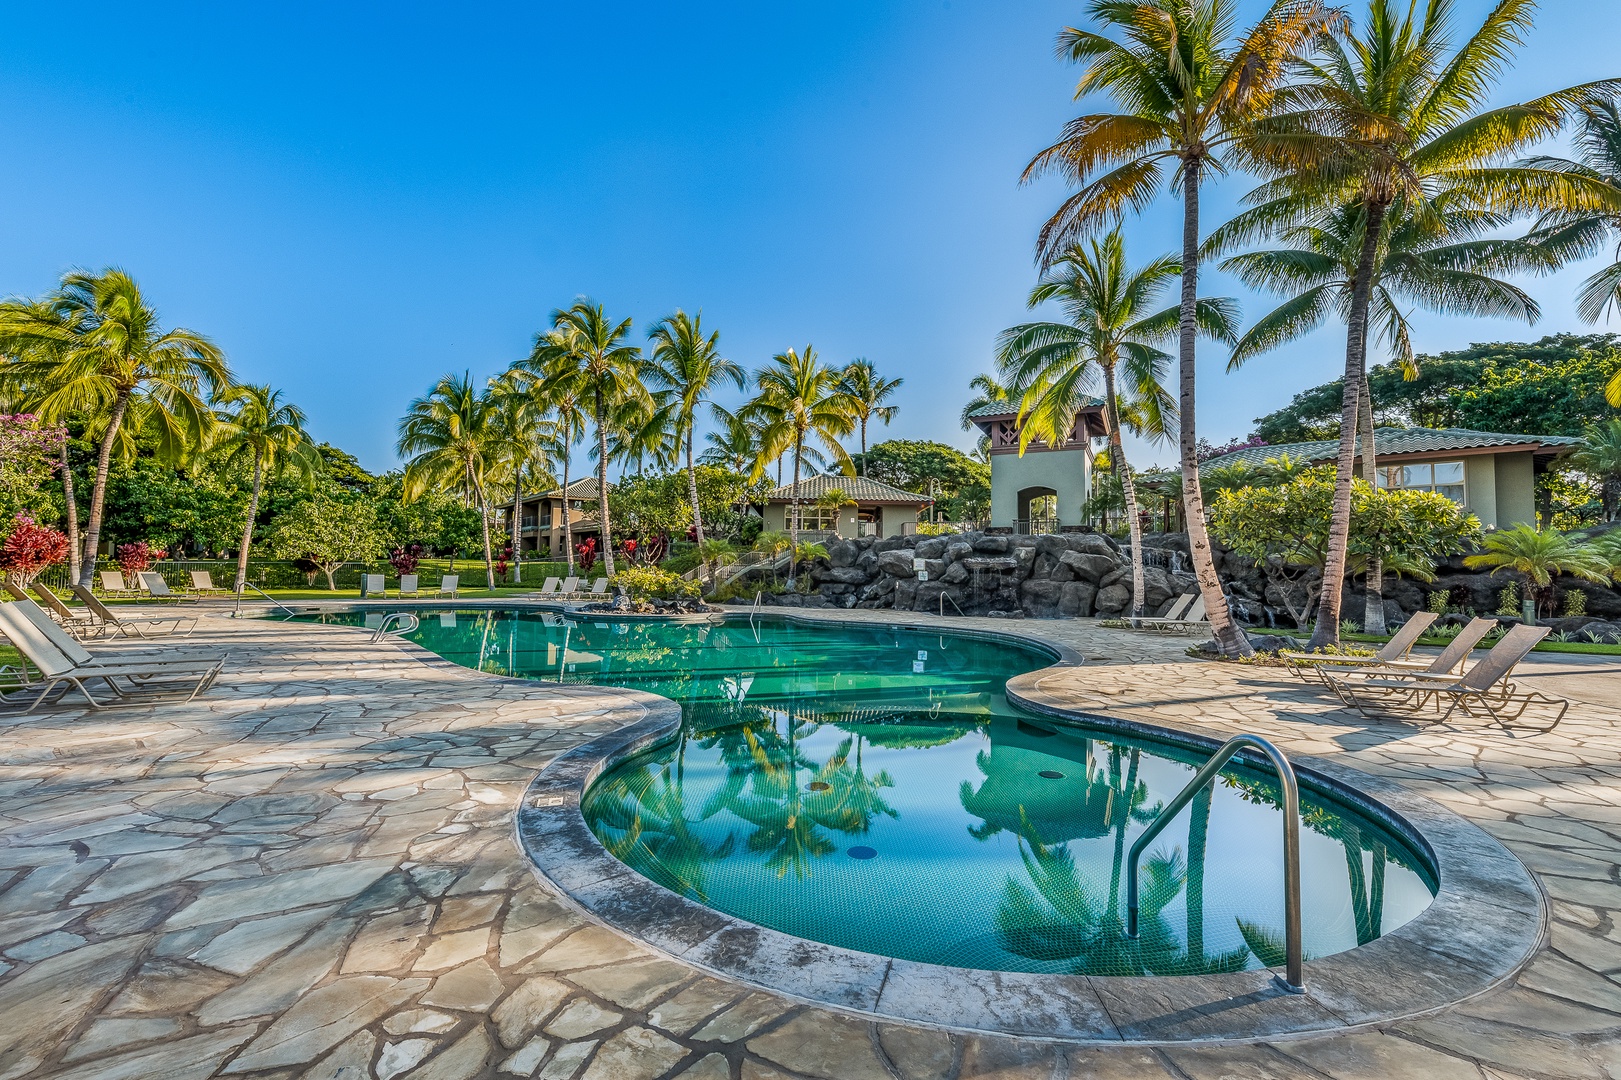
258	427
715	553
772	543
523	436
735	445
95	349
799	400
688	363
1189	92
1538	556
867	391
586	351
1389	115
1600	454
28	455
29	548
1108	334
988	392
450	439
648	582
328	532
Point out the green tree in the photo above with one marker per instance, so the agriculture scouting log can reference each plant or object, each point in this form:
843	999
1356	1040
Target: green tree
258	427
867	392
1108	333
328	532
556	396
688	363
1189	93
1538	556
1524	396
95	348
1601	455
947	474
450	437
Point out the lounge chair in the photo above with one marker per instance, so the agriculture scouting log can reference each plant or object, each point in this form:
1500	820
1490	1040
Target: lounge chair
77	623
448	584
1484	687
373	585
119	683
1394	651
202	583
1446	665
571	587
549	587
77	653
1193	620
408	584
600	588
112	583
143	627
154	584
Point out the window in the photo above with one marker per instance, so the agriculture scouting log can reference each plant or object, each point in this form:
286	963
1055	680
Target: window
1441	477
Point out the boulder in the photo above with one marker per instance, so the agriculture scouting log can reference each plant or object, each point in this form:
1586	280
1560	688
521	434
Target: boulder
984	565
991	545
1092	544
955	574
1040	598
1025	556
834	588
842	553
896	563
1052	546
930	548
840	575
1273	643
957	549
1112	599
906	594
1089	566
889	543
867	563
1076	598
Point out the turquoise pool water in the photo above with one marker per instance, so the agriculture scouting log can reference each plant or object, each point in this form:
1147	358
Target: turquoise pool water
871	788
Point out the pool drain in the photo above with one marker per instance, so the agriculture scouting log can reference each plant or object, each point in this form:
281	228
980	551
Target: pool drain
1050	774
862	853
819	785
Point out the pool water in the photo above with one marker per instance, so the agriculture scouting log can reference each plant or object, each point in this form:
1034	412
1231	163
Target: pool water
872	788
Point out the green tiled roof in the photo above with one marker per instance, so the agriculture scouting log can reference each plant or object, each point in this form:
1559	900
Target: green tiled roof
858	488
1389	441
1010	408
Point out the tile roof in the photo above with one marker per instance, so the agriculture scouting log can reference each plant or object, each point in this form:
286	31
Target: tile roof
583	488
1390	441
1011	408
858	488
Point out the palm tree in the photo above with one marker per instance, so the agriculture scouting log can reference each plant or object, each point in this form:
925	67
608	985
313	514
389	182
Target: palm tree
867	392
1539	555
588	350
1390	114
261	428
988	391
690	366
1189	92
1052	366
1601	455
95	348
523	434
799	400
643	432
17	396
556	395
1436	257
452	439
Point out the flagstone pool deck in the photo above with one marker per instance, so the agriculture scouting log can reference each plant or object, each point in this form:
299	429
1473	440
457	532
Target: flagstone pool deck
312	872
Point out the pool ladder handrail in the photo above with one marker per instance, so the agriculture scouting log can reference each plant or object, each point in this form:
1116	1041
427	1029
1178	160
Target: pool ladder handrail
383	627
943	598
1294	978
237	613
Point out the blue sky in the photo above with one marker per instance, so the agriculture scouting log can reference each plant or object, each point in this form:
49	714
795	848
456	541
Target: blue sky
353	199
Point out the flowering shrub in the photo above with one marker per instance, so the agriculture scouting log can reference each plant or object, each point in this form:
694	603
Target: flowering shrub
28	456
1204	451
404	559
647	582
586	552
137	556
30	548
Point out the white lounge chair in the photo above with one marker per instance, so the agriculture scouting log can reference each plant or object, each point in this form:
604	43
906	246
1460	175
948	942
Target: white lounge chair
79	624
202	583
373	585
408	584
1188	623
448	585
571	587
144	627
549	587
1394	651
154	584
112	583
600	588
119	682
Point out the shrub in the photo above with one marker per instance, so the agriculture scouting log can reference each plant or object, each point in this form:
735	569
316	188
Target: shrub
649	582
1508	600
930	528
31	548
135	557
404	559
1575	603
1440	601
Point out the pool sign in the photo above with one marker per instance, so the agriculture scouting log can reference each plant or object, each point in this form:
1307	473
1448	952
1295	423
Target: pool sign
918	564
917	667
923	575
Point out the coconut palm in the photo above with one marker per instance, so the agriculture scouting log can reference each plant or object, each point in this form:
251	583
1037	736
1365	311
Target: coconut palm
1436	256
1390	113
1600	455
588	349
1538	556
258	427
1189	90
988	391
642	432
96	349
799	400
867	392
735	445
452	441
556	396
525	436
1110	325
689	365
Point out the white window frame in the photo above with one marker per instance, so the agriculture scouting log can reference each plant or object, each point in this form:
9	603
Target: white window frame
1432	486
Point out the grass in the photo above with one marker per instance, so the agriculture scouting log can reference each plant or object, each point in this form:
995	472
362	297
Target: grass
1588	647
10	656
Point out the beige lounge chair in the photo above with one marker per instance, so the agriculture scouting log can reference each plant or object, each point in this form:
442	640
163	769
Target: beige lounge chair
143	627
373	585
77	653
571	587
159	589
600	588
1192	621
1394	651
112	583
1484	687
549	587
77	623
1446	665
202	583
118	682
409	584
448	585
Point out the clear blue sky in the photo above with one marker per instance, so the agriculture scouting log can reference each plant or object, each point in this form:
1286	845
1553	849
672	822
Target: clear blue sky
353	199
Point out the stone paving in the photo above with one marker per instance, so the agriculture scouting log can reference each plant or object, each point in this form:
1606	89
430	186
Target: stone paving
310	873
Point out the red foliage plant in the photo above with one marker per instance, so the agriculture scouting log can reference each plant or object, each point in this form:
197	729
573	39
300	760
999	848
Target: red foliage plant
586	552
135	557
404	559
30	548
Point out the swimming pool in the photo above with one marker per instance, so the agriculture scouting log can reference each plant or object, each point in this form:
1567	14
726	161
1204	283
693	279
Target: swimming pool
871	788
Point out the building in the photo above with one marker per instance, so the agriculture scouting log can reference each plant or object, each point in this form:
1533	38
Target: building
1492	474
1043	489
872	508
542	516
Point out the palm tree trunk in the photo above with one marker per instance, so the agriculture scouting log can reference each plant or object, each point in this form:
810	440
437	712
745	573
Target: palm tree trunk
71	505
863	445
1198	841
1228	636
98	492
568	515
517	523
1117	458
247	526
1327	630
793	512
1373	619
602	488
692	492
484	520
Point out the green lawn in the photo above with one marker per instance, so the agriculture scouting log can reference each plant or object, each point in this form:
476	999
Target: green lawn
1441	643
10	657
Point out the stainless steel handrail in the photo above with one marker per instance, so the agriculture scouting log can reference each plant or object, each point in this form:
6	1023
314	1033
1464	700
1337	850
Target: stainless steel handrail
1294	979
383	627
943	598
261	592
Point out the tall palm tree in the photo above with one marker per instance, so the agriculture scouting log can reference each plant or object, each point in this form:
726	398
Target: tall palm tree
556	395
588	350
867	391
1109	328
258	426
1391	111
688	363
95	348
523	434
1189	91
452	441
1438	257
643	433
799	400
988	391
